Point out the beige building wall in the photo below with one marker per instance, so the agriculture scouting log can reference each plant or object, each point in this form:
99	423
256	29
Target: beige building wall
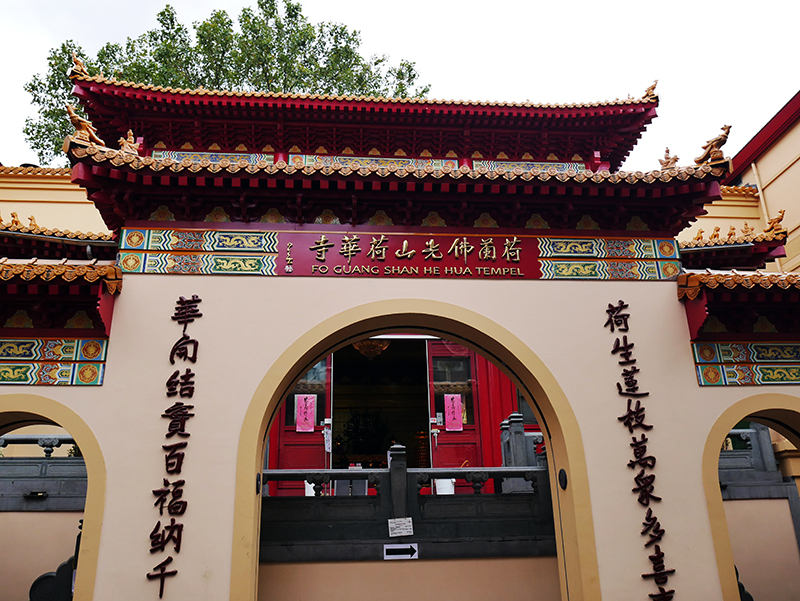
765	548
51	198
514	579
251	323
34	543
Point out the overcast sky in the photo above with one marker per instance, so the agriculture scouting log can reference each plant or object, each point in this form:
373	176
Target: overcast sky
717	63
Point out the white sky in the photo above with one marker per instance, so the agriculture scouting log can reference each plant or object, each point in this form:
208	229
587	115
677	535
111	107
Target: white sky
717	63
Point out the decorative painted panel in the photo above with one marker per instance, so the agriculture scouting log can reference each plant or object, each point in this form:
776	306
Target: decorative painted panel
436	253
355	163
746	363
211	157
529	166
43	361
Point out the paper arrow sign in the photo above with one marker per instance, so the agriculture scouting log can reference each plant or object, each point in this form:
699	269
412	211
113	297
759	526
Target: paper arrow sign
407	551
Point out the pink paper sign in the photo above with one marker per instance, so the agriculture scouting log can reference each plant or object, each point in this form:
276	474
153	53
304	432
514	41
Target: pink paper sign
305	412
452	413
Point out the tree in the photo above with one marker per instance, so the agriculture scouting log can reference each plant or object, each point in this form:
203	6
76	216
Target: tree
274	49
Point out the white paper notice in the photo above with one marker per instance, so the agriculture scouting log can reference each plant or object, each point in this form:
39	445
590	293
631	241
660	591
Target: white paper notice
401	527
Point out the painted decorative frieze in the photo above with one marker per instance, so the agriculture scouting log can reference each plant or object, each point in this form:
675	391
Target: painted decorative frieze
435	253
746	363
43	361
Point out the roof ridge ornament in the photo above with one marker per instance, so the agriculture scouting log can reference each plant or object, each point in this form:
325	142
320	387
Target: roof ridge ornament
650	92
84	130
78	69
668	162
711	149
774	224
128	144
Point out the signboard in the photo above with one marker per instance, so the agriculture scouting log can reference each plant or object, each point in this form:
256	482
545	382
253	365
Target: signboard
405	551
453	413
401	527
305	406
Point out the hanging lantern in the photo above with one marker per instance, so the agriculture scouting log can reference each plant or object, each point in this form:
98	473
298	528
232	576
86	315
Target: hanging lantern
371	348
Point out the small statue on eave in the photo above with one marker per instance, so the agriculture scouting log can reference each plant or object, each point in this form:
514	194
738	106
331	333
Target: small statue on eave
715	234
84	130
699	236
774	224
128	144
15	222
668	162
747	230
711	149
650	92
33	225
78	68
732	232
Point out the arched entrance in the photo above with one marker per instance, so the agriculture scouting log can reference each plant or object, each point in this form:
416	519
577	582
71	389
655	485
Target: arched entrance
781	413
574	530
18	410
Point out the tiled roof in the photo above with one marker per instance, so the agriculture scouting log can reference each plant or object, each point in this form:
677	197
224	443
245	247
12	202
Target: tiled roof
690	284
750	191
721	242
34	170
80	150
652	99
38	231
110	275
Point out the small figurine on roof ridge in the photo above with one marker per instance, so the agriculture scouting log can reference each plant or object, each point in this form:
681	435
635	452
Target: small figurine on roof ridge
711	149
15	222
128	144
699	236
732	232
650	92
33	225
774	224
78	68
714	235
84	130
747	230
668	162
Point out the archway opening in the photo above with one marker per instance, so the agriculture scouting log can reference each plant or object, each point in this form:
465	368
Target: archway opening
43	485
574	532
755	509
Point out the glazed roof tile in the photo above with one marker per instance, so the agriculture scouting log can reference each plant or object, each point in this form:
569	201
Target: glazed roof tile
690	284
750	191
722	242
80	150
652	99
110	275
39	231
34	170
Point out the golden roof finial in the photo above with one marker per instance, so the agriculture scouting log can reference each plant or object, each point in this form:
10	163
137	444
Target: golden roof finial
668	162
774	224
128	144
78	69
33	225
650	92
84	130
699	236
711	149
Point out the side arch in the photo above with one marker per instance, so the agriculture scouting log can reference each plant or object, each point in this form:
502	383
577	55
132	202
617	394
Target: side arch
578	570
18	410
781	412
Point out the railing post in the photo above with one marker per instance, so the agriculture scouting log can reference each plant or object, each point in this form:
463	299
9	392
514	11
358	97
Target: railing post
398	478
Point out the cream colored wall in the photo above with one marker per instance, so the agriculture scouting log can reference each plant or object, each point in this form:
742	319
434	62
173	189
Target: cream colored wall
34	543
765	548
53	200
777	173
250	322
510	579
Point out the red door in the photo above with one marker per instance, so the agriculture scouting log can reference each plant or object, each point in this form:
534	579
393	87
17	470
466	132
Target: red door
290	449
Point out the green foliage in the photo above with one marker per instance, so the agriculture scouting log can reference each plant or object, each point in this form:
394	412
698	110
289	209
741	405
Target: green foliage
274	49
